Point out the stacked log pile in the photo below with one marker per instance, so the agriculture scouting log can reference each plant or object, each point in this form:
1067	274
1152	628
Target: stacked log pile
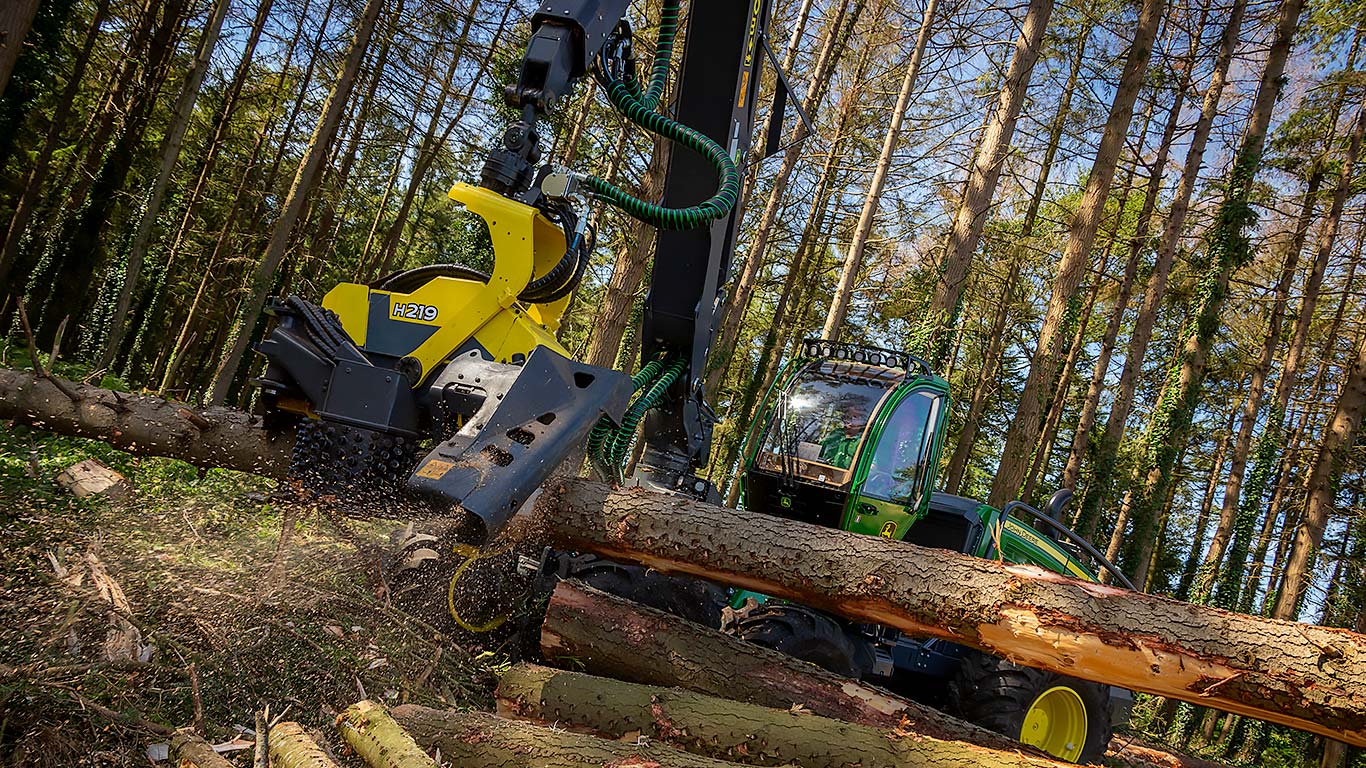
690	696
771	711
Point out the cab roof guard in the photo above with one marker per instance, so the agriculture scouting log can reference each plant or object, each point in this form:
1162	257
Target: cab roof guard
859	353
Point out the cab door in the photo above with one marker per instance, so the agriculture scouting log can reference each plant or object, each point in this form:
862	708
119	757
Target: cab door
895	472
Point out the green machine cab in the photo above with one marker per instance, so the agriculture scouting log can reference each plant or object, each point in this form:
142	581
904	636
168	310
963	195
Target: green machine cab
851	437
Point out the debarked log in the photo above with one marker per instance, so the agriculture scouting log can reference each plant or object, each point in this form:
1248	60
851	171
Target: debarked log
380	741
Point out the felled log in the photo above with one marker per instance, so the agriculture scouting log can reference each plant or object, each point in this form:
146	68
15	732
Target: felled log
292	747
149	426
480	740
190	751
729	730
605	635
1307	677
374	735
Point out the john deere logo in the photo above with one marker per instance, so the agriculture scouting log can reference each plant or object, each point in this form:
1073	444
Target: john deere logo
888	530
785	502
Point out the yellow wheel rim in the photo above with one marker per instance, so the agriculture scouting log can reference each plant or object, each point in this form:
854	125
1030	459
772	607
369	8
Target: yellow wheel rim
1056	723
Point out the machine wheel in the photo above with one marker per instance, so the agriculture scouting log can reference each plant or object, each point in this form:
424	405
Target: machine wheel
696	600
804	634
1065	717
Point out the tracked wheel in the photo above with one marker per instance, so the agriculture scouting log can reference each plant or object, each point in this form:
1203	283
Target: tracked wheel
1065	717
696	600
803	633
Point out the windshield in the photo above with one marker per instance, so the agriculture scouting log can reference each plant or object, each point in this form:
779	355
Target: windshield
820	419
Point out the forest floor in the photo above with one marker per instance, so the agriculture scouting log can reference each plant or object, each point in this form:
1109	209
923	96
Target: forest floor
178	605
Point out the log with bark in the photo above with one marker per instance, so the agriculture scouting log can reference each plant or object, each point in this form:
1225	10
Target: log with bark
292	747
608	636
728	730
480	740
380	741
150	426
1307	677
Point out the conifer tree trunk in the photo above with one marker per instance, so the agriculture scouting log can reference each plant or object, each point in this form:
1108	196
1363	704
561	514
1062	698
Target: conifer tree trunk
1206	506
833	44
1044	449
1044	368
1234	518
1292	441
982	179
991	359
1272	431
82	248
986	378
16	17
633	259
853	261
222	119
169	154
786	313
1228	251
304	180
431	145
1086	419
33	189
1107	451
1321	487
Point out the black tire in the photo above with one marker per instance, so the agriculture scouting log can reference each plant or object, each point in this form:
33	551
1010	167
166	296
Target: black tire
997	694
696	600
805	634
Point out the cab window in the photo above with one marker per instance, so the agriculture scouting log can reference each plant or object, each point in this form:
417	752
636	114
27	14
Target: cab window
818	423
900	462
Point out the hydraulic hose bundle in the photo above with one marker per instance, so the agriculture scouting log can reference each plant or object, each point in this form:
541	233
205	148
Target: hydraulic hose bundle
609	444
623	90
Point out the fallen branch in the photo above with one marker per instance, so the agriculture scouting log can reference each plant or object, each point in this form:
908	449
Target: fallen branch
369	730
144	425
729	730
479	740
62	386
292	747
1307	677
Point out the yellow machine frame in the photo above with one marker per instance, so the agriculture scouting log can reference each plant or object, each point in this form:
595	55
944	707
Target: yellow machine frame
526	245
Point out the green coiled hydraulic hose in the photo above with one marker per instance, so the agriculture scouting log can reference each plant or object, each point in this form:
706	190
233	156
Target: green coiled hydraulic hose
608	445
603	429
626	96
